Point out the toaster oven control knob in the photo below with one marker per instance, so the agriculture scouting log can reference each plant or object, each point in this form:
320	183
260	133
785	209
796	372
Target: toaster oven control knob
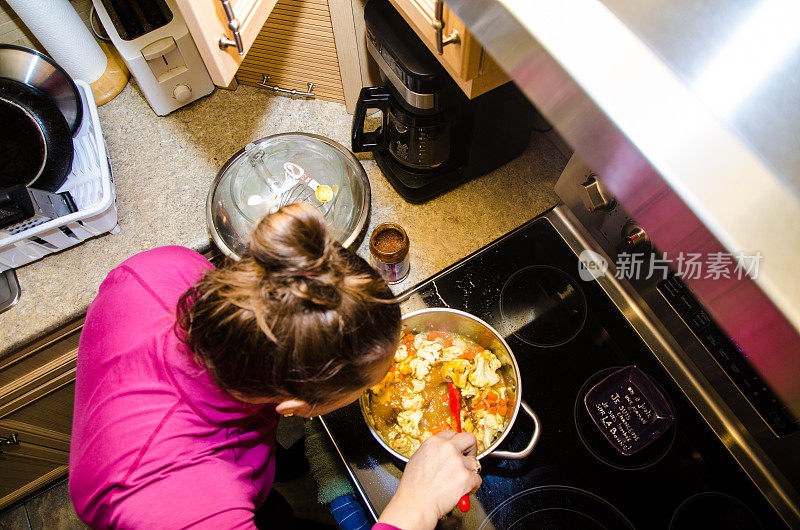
635	239
595	196
182	93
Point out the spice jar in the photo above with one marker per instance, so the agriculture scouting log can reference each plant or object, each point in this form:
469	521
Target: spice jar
388	246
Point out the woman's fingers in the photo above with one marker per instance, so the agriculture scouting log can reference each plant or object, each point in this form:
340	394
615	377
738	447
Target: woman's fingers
472	464
466	443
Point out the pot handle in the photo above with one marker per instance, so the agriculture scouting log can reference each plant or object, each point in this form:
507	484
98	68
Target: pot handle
537	430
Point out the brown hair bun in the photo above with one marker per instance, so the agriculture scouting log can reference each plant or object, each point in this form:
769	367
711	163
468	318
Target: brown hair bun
298	316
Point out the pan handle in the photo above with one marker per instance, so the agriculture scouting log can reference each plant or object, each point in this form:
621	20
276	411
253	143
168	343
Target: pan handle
537	430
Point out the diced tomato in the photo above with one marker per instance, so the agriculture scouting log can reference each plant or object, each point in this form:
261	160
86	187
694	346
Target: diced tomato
479	405
408	338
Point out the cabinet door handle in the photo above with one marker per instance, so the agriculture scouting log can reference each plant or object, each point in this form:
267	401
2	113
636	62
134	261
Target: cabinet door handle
279	90
233	25
438	25
12	439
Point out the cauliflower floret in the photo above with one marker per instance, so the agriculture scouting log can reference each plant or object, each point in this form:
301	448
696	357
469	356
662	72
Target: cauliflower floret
488	426
405	444
468	390
417	385
412	402
401	354
430	351
456	371
485	374
451	352
466	424
420	368
408	420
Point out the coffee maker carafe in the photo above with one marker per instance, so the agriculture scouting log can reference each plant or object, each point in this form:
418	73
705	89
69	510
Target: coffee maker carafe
431	138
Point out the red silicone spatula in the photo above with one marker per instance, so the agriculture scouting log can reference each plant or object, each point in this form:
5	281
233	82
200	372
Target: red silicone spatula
455	413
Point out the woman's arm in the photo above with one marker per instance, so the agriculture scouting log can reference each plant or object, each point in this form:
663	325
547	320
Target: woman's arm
442	470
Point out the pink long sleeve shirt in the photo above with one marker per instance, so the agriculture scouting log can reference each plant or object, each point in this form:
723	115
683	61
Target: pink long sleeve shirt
155	442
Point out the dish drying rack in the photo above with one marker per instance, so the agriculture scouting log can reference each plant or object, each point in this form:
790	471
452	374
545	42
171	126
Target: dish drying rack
92	188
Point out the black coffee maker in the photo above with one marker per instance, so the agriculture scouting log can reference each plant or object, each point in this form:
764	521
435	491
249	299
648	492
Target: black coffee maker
432	138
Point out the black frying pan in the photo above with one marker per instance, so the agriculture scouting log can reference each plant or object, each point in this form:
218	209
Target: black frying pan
35	140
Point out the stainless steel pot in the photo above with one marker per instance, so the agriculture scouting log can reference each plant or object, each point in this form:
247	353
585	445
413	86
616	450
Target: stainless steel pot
455	321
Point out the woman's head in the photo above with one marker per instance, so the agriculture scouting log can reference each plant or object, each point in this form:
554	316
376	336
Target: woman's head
297	318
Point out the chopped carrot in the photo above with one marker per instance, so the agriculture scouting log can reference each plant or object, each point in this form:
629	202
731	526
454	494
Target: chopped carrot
502	410
448	342
491	396
408	338
433	335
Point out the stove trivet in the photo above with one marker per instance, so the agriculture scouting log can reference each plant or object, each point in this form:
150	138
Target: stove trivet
545	306
555	507
600	448
714	510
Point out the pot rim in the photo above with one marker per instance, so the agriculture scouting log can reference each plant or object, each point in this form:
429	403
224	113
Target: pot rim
362	401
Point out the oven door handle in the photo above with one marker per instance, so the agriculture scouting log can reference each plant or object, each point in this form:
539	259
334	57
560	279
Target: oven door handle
537	431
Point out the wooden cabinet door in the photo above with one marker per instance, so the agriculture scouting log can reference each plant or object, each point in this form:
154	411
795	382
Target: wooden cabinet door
296	46
208	23
465	59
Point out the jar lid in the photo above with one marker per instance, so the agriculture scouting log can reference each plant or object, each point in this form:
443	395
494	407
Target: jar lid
389	243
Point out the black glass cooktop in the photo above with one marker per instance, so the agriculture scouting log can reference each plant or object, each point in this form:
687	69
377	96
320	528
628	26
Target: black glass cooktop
566	336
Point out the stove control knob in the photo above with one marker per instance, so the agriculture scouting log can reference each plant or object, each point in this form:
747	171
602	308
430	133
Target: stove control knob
595	196
635	239
182	93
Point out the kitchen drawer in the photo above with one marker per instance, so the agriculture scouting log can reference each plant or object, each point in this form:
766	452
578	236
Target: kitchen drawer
41	454
297	46
44	366
465	60
26	467
47	421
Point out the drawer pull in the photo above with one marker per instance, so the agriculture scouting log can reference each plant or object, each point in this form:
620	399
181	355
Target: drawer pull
11	440
233	25
438	25
278	90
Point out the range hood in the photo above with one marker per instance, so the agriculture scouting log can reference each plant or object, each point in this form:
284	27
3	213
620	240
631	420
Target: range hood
690	113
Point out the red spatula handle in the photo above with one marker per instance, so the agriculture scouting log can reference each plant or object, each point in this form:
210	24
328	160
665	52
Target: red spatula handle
455	412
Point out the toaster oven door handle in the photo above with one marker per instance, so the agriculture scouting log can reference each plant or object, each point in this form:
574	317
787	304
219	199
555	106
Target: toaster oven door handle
233	25
537	431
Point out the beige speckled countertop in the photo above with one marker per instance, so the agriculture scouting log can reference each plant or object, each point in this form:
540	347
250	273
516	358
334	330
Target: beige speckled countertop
163	167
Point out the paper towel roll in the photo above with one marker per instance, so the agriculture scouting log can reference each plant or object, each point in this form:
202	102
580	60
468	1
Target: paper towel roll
65	37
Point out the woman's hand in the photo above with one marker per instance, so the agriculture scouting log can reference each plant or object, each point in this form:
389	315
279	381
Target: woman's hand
442	470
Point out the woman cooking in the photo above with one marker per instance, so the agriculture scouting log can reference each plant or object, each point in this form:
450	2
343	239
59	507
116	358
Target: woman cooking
184	369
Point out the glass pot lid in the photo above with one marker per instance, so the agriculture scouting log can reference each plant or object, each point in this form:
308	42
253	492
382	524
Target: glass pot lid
284	169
